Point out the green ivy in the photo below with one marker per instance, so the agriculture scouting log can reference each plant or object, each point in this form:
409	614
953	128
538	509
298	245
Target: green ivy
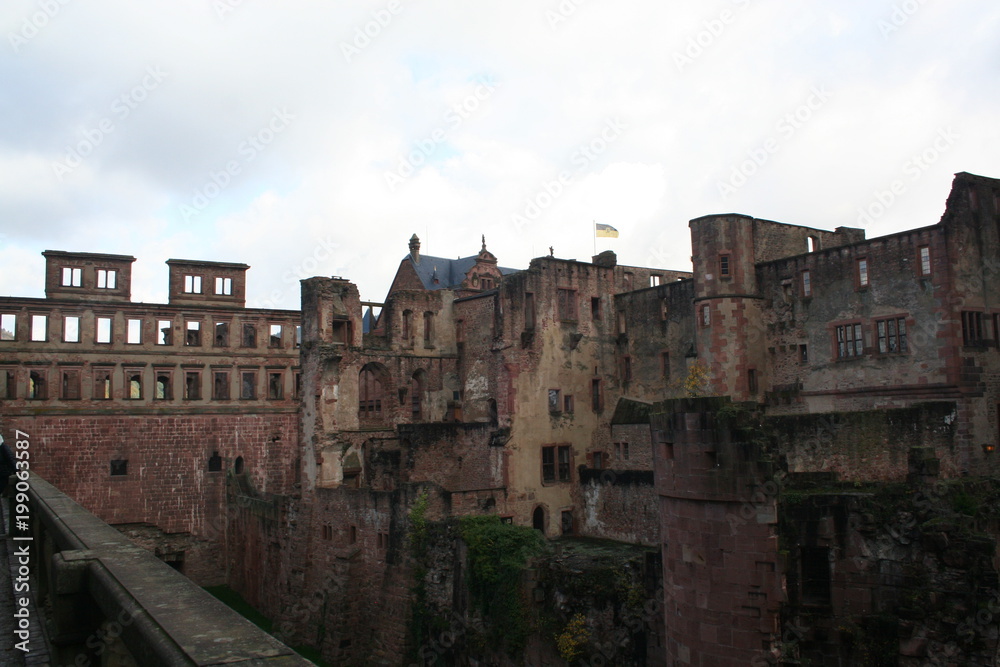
498	553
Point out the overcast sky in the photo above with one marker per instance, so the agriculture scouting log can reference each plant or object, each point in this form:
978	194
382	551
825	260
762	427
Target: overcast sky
313	138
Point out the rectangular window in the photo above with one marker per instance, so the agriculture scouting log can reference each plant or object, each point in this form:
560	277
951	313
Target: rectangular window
620	322
972	327
598	458
298	385
665	365
564	463
133	384
70	385
224	286
815	575
341	333
102	384
134	332
164	386
274	338
891	335
596	395
460	331
192	386
862	273
37	386
39	328
567	305
554	400
724	266
72	277
925	261
428	328
628	281
529	311
221	334
568	404
71	329
249	334
664	310
804	353
107	279
706	315
248	385
275	386
220	386
625	451
850	341
164	332
102	330
595	308
807	289
192	334
8	326
626	369
566	522
119	468
548	464
192	284
655	280
8	384
298	335
752	380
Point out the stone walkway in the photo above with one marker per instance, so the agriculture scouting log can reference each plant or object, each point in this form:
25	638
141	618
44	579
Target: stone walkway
10	656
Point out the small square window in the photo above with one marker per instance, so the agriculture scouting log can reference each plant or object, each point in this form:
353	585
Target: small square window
72	276
119	467
107	279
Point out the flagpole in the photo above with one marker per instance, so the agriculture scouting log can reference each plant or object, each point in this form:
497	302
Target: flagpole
595	237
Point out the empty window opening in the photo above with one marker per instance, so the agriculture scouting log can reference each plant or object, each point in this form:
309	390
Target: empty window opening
238	466
327	532
407	326
596	395
215	462
107	279
224	286
595	308
248	385
249	338
192	284
37	389
133	332
665	365
538	519
164	387
72	277
298	335
39	328
352	535
752	380
274	335
70	390
567	305
119	467
626	369
221	334
220	386
8	326
812	244
71	329
568	404
428	328
102	384
192	386
133	385
370	394
164	332
804	353
655	280
529	311
192	334
275	386
815	563
103	330
554	400
8	384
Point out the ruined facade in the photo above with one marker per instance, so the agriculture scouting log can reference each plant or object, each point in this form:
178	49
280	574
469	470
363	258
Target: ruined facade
743	418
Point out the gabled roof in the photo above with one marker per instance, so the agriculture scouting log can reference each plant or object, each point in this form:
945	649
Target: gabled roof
448	272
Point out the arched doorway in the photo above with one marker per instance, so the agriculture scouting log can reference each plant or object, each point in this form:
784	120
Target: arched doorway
538	519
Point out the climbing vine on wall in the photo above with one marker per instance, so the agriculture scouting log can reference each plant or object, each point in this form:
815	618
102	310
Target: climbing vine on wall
498	554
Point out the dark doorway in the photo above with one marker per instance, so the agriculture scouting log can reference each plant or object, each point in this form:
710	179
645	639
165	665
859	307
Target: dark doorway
538	519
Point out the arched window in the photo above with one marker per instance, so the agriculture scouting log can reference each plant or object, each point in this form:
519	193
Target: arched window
371	390
538	519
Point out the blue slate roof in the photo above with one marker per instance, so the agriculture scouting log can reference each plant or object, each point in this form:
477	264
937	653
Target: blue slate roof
449	272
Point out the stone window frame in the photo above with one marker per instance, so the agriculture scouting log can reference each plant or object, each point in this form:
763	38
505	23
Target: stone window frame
845	339
897	337
106	279
104	375
862	273
924	261
128	373
65	328
70	383
12	320
556	464
74	279
128	330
